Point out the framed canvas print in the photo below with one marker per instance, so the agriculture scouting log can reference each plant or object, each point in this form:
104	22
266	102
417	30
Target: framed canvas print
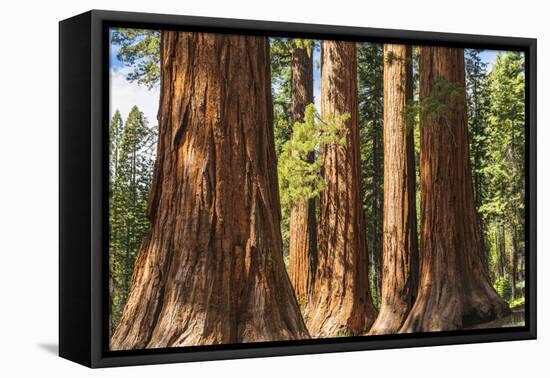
233	188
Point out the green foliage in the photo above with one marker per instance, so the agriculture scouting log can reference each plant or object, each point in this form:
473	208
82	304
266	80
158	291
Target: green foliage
281	82
503	287
343	334
500	168
307	44
477	91
370	83
299	173
131	166
140	50
115	139
504	163
518	302
280	90
390	57
445	99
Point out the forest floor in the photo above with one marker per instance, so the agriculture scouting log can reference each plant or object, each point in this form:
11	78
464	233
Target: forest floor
515	319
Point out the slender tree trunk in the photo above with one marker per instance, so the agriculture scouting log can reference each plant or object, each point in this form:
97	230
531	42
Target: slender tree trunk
378	197
303	229
400	251
502	251
515	247
211	269
341	302
455	289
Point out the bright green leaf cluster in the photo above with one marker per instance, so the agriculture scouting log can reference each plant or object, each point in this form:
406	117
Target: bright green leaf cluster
140	50
299	171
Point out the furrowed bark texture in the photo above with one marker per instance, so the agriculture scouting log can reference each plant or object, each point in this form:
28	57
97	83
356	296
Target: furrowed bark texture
454	289
341	302
399	242
211	269
303	228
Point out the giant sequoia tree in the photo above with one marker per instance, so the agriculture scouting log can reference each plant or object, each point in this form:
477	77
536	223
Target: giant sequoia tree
211	268
341	303
399	240
454	288
303	232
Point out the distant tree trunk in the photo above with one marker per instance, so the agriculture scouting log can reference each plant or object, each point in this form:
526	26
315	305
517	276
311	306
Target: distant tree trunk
211	269
515	247
455	288
399	243
370	70
303	230
502	251
378	204
341	302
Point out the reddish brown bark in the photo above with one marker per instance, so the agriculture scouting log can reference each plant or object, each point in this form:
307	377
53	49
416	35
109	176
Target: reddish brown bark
303	230
211	269
399	242
341	302
454	289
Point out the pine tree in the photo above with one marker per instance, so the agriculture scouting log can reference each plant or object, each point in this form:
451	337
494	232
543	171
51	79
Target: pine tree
478	101
115	137
281	77
139	49
132	160
370	63
503	209
115	213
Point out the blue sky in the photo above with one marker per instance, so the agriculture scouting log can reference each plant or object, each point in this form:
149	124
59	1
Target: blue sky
489	57
125	94
114	62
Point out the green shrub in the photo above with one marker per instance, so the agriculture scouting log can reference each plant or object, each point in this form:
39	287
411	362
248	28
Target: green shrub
518	302
503	287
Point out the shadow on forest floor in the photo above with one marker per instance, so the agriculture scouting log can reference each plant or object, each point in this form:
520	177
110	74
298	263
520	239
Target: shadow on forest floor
515	319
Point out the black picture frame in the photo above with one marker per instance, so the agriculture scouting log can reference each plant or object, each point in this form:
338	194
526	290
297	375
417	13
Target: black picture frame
83	178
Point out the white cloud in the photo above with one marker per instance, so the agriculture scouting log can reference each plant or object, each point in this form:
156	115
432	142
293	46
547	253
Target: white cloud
317	96
124	95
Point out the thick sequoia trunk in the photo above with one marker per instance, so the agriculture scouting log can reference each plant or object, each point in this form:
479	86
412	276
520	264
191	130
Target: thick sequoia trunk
211	269
454	290
341	302
303	231
399	242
